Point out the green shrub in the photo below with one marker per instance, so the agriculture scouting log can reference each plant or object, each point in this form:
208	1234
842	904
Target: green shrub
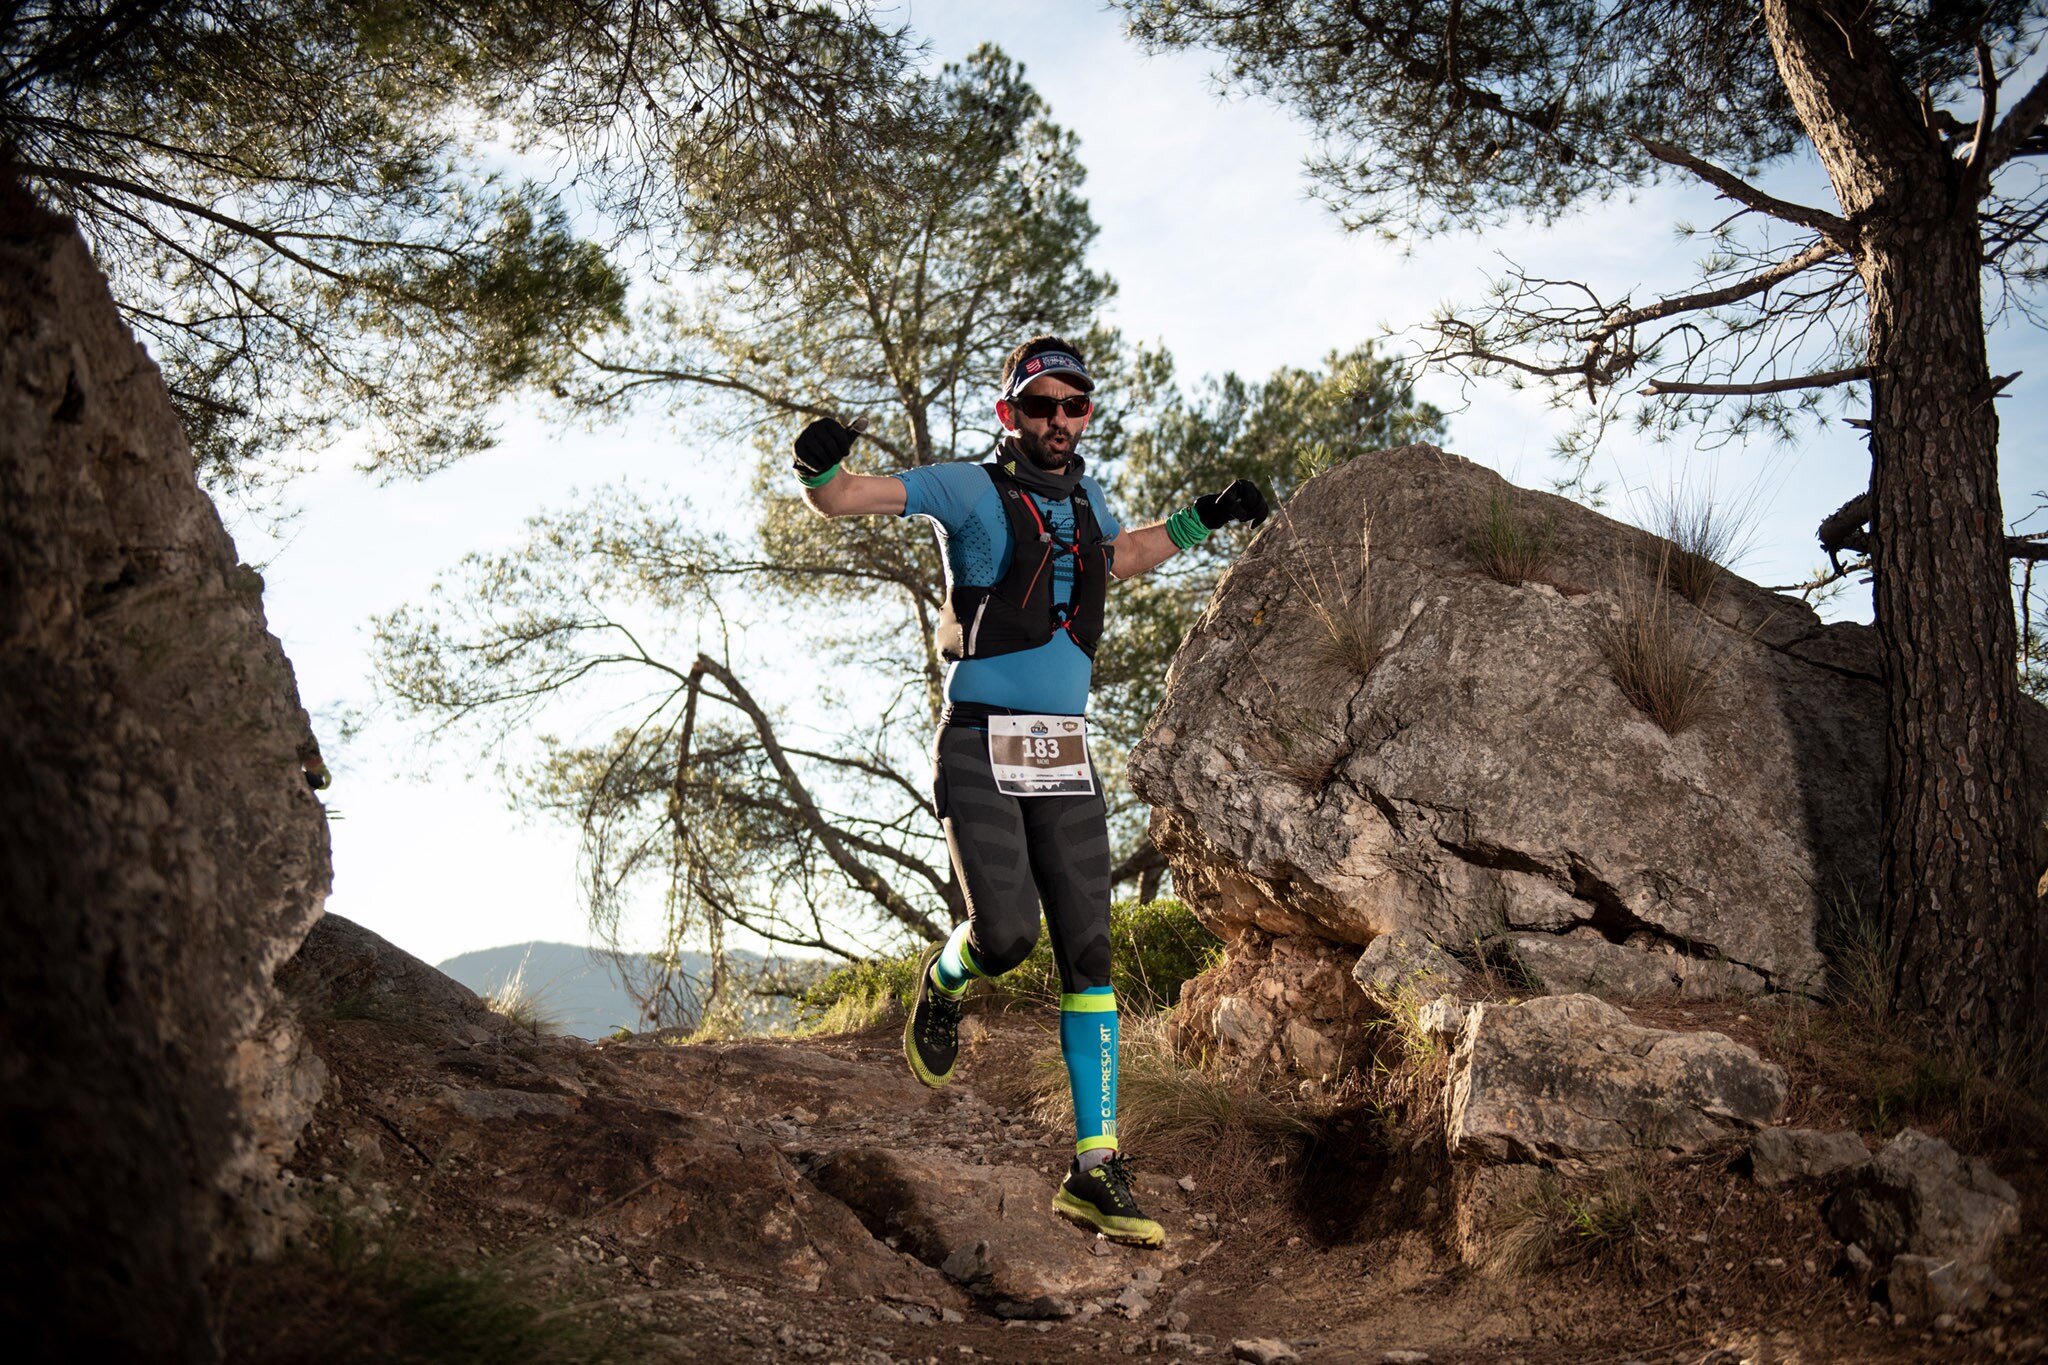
859	994
1155	946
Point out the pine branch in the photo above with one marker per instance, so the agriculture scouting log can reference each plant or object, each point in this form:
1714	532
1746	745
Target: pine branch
1835	229
1656	389
1716	298
2021	123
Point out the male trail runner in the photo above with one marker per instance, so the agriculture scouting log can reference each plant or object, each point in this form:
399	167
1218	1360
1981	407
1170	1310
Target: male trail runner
1029	543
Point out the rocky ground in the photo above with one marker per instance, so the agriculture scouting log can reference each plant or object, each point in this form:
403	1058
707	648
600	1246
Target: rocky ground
477	1192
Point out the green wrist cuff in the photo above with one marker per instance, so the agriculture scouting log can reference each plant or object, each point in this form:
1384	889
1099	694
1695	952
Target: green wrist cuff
1185	529
819	480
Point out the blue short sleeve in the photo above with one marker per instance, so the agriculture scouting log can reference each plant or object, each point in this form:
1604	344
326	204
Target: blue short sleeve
944	492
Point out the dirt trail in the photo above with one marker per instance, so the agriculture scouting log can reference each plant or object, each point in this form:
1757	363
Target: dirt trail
771	1200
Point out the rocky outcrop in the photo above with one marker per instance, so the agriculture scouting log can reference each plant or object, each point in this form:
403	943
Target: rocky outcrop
163	852
982	1226
1277	1006
1568	1078
1935	1216
1785	1156
1366	735
343	968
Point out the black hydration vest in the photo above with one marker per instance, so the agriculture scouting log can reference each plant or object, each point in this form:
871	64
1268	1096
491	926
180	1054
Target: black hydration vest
1018	613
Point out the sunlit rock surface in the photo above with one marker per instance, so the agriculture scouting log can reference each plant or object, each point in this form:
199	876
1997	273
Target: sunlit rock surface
1473	770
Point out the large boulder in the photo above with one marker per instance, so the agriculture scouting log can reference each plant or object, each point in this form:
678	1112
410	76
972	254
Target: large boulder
1365	734
1568	1079
163	851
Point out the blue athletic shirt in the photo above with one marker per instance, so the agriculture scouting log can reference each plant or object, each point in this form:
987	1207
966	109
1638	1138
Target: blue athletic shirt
974	537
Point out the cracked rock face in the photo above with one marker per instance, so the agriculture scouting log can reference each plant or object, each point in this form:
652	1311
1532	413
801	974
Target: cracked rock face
1288	1005
1485	773
1568	1078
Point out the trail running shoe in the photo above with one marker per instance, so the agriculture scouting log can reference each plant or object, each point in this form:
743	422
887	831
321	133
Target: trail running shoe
931	1036
1100	1198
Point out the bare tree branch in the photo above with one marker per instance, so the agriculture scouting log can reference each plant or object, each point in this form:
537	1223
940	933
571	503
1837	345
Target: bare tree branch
862	875
1987	81
1741	191
1146	857
1716	298
1656	389
641	377
2021	122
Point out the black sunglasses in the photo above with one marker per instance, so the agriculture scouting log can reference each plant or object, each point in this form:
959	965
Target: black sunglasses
1038	407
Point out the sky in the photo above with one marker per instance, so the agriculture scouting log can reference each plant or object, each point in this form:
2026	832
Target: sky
1217	252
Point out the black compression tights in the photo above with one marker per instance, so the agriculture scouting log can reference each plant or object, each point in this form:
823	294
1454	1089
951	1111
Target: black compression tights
1010	852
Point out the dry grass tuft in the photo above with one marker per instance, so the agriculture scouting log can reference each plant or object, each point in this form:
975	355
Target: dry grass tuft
1349	633
1512	548
1563	1224
522	1005
1704	534
1664	661
1854	1067
1860	958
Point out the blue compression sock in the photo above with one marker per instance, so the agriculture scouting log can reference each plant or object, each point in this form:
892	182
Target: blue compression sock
955	965
1088	1042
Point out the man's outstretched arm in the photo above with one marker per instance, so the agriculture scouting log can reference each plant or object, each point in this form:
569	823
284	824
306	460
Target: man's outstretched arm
1137	549
829	488
1147	547
858	495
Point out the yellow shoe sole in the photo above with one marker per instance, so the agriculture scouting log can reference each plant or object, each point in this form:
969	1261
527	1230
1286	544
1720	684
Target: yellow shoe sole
918	1068
1137	1232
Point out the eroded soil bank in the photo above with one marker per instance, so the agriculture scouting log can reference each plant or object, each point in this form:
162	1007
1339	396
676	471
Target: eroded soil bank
768	1200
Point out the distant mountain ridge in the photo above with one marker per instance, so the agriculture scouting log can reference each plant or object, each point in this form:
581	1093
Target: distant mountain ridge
580	990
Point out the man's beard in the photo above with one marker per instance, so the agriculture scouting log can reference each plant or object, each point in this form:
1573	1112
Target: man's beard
1043	455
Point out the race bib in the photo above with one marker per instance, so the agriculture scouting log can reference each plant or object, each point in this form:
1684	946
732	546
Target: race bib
1040	755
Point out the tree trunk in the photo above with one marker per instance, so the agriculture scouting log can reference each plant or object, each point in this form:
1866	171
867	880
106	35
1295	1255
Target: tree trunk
1952	857
1954	837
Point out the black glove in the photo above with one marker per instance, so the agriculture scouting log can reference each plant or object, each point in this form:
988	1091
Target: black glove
821	445
1242	501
